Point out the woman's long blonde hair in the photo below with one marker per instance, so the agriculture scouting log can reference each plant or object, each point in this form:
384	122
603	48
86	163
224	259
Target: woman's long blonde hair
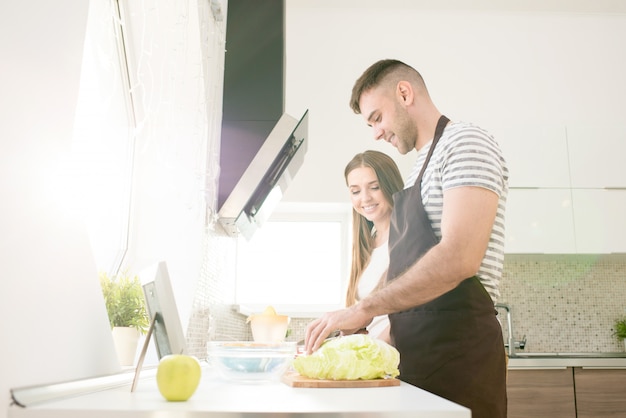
390	181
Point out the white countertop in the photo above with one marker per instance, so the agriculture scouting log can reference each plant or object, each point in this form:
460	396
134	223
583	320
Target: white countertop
219	398
562	360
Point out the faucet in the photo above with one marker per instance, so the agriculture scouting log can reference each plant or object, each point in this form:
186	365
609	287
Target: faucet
511	344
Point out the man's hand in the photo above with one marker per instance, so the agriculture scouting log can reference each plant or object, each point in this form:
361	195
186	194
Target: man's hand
348	321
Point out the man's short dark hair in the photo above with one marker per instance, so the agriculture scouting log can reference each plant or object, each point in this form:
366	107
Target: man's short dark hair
372	77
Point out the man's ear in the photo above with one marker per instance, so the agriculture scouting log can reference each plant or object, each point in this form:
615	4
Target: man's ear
405	93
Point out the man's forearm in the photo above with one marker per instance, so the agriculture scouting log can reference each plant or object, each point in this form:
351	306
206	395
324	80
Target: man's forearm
435	274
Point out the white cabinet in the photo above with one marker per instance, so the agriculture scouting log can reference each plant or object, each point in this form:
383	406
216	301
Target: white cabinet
567	188
599	220
539	221
596	155
598	178
536	155
566	221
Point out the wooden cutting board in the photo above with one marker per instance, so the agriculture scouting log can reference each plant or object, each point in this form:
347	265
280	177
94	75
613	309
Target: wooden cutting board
297	381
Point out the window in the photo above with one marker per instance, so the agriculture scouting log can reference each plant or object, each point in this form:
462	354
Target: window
104	136
297	261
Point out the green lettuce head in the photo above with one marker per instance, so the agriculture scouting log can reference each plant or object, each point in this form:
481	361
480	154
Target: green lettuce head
352	357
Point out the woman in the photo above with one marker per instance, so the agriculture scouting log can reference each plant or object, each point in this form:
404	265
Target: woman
372	178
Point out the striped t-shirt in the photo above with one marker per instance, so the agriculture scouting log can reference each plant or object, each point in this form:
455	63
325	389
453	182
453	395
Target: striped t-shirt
466	155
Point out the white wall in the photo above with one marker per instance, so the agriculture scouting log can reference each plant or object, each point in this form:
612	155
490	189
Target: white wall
498	64
49	293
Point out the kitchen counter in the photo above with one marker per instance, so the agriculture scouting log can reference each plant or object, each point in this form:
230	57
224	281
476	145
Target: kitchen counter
562	360
219	398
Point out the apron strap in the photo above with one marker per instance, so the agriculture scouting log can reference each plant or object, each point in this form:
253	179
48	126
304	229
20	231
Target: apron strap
441	124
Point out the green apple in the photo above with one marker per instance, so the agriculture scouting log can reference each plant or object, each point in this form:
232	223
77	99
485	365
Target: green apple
178	376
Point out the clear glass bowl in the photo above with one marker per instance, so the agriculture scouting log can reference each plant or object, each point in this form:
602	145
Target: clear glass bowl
247	361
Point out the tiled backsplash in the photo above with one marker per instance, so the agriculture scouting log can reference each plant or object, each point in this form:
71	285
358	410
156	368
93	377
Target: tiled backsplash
565	303
561	303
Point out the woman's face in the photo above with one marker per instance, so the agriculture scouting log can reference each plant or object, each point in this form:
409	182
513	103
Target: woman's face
366	195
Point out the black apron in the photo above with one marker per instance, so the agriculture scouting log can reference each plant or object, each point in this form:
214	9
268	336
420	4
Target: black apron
451	346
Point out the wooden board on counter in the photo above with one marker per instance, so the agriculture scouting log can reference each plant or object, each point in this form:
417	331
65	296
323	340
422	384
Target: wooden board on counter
297	381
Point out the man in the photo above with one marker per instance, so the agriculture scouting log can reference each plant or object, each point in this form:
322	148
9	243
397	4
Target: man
446	246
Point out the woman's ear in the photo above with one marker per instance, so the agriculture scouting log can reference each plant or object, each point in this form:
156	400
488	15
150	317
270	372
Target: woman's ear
405	93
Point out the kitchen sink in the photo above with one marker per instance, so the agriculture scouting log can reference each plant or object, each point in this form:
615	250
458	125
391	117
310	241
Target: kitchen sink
619	354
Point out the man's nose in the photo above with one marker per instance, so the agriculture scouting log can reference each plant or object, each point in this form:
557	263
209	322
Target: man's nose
378	133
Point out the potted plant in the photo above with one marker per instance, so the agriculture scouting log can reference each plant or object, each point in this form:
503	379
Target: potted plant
619	329
126	308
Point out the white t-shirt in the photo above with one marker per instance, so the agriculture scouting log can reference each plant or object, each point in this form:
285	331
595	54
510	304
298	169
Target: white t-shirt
372	274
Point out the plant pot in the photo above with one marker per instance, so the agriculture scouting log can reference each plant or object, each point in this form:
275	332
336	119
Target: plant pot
126	340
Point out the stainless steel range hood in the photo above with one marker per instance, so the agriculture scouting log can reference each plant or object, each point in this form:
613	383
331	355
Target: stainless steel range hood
264	182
